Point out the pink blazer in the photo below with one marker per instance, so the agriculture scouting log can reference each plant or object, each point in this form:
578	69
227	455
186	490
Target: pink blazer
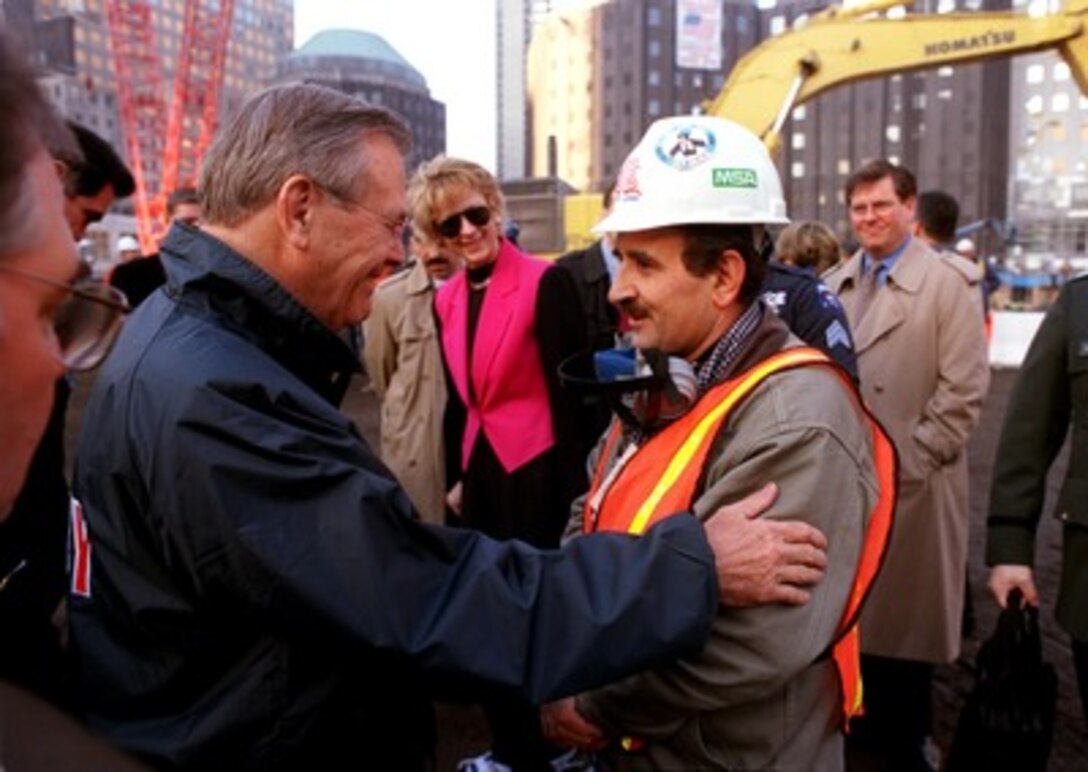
511	408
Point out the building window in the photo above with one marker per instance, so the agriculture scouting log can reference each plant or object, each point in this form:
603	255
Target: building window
946	6
893	133
919	101
1060	71
653	78
778	25
654	49
1059	103
944	93
799	113
653	16
1034	104
797	169
843	167
697	80
797	141
653	107
765	5
1035	73
945	72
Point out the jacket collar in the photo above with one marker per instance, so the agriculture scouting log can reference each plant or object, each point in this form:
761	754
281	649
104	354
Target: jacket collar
418	281
890	308
205	277
907	273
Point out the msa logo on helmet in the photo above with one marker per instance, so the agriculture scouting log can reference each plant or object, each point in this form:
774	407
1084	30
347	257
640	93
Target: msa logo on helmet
735	178
685	147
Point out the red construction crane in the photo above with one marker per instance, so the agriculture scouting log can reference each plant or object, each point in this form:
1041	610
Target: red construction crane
166	149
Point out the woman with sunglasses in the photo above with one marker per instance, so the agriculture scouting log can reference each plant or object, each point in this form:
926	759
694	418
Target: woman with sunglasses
517	461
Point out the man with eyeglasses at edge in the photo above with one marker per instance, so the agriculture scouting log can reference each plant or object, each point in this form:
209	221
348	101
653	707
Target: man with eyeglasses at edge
254	591
32	541
41	334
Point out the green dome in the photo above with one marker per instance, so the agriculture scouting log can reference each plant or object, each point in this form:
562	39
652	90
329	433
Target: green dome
364	47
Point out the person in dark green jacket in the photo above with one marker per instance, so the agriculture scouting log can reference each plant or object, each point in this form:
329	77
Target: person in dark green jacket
1050	396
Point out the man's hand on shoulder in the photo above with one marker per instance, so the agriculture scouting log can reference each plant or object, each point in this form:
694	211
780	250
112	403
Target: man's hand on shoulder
761	561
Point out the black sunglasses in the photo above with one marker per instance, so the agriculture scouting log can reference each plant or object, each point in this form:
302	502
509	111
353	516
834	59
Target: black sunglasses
451	226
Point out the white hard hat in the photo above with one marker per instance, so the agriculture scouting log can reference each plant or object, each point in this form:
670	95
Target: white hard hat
127	244
695	169
966	247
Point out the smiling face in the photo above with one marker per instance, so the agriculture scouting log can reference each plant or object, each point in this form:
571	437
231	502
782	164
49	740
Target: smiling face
29	353
354	245
881	220
669	307
476	245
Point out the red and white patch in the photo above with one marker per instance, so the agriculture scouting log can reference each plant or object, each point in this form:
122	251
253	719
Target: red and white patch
81	550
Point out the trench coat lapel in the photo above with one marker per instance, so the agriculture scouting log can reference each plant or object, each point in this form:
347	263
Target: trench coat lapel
892	304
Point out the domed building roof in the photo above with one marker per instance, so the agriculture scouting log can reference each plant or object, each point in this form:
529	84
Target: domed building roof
369	52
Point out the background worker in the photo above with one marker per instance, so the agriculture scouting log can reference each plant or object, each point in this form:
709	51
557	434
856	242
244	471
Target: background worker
253	589
808	245
917	323
796	293
593	270
405	366
140	277
761	694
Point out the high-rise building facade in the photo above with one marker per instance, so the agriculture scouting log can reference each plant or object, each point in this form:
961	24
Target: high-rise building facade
363	64
73	47
1048	172
948	125
599	76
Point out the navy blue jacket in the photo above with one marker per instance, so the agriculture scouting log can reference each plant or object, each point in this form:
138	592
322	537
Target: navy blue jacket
811	311
260	593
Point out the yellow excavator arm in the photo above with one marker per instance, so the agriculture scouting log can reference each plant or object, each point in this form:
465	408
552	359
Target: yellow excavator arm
841	45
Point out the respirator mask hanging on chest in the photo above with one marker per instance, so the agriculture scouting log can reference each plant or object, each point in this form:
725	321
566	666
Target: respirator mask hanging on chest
646	388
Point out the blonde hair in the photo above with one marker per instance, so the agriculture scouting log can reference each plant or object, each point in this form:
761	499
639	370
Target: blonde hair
435	181
808	244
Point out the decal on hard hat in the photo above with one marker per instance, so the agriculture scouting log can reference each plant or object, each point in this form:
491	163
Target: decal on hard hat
735	178
627	187
685	147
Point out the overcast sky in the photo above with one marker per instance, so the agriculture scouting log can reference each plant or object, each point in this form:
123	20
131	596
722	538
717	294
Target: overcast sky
451	42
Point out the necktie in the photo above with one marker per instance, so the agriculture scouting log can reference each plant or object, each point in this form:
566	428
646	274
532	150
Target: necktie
867	288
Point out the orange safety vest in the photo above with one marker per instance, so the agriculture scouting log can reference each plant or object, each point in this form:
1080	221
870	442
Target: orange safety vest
662	476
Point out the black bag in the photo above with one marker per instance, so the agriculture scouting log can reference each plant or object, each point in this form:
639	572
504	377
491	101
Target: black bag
1008	720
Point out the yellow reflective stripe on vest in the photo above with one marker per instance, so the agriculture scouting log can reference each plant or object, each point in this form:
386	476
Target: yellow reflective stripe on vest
683	456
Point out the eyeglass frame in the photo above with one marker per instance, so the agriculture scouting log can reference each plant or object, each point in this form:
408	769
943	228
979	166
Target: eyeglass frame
118	303
395	225
450	227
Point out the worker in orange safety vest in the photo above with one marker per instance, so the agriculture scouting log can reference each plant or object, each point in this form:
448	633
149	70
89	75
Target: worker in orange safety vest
715	399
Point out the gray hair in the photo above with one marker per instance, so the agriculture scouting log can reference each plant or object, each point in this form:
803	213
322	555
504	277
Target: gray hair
293	129
27	117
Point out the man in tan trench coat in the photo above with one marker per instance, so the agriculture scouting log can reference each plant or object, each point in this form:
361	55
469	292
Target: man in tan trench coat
922	360
403	362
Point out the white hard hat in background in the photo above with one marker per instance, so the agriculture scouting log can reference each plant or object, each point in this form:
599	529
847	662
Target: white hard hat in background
695	169
966	247
127	244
